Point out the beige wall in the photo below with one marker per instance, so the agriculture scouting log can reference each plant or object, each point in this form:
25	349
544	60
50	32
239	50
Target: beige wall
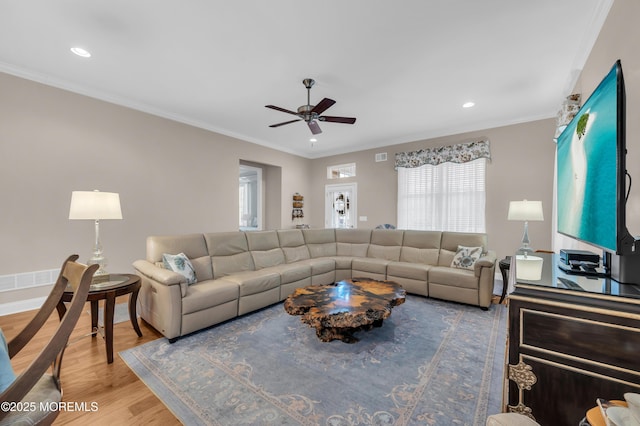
172	178
521	167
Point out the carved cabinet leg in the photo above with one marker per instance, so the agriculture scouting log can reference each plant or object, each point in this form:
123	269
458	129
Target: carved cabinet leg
524	378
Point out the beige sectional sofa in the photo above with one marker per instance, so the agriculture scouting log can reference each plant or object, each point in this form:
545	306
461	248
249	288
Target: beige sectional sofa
240	272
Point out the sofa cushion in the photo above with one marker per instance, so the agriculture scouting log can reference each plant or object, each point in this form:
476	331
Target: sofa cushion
352	249
292	244
385	244
466	257
352	242
265	249
320	242
192	245
203	268
227	265
207	294
268	258
229	253
415	271
296	254
252	282
290	237
226	243
262	240
343	262
367	264
454	277
421	247
292	272
387	237
384	252
321	265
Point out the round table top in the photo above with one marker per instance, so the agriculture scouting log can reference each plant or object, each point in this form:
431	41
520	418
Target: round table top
115	282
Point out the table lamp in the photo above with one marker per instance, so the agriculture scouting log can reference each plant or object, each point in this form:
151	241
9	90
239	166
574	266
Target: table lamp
525	210
96	205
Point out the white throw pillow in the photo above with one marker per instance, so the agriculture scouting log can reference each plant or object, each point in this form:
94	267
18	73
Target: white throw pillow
180	263
466	257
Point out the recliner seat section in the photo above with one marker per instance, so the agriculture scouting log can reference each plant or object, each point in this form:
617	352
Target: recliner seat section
240	272
384	248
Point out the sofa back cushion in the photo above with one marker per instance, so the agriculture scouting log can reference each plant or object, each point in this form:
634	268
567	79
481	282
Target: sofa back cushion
229	253
451	241
193	246
385	244
320	242
421	247
292	245
265	248
352	242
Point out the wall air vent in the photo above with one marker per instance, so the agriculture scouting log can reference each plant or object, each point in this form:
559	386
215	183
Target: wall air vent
381	156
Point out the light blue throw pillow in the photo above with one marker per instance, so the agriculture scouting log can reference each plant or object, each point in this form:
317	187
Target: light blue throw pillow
7	376
180	263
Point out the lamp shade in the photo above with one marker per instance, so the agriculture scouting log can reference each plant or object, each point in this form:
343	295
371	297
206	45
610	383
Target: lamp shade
95	205
525	210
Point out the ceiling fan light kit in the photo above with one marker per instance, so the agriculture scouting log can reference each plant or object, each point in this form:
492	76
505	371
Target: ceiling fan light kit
311	113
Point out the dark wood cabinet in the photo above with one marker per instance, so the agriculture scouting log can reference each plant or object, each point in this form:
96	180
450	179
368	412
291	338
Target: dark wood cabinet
572	339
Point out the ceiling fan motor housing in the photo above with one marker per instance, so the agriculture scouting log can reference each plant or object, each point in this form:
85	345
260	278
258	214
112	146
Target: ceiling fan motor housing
305	112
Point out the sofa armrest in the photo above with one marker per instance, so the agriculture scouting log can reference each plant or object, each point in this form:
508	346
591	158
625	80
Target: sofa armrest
157	274
486	261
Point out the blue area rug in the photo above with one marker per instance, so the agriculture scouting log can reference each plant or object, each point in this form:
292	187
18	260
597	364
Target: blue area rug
431	363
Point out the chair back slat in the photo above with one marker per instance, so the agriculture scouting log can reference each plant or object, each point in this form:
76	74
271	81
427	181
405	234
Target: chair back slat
73	274
79	276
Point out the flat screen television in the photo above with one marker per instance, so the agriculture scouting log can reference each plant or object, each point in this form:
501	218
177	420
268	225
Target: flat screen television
591	172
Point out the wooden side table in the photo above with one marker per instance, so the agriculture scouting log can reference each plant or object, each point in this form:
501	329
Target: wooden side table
504	265
118	285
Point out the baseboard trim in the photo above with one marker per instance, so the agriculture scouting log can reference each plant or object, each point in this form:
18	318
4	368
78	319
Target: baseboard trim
21	306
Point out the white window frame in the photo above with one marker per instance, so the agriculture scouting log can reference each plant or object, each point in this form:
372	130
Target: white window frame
445	197
341	171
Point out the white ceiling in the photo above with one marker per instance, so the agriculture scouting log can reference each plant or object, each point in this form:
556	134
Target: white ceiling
403	68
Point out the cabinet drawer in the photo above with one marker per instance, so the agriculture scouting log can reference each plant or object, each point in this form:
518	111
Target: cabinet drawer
603	343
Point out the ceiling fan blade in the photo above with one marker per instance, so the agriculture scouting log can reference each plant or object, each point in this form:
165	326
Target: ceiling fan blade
281	109
313	126
283	123
346	120
323	105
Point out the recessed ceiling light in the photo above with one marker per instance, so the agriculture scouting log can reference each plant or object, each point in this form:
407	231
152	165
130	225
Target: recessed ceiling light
468	104
81	52
313	140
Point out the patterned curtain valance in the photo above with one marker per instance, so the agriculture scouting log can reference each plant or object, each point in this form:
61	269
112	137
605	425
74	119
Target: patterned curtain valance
459	153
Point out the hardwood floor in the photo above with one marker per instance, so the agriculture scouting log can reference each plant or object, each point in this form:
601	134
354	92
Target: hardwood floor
120	397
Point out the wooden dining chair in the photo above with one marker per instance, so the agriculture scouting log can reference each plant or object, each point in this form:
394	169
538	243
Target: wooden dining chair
36	393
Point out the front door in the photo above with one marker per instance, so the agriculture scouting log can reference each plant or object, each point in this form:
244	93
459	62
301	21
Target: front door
340	206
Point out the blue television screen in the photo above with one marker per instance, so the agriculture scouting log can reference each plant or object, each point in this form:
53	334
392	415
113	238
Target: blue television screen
589	172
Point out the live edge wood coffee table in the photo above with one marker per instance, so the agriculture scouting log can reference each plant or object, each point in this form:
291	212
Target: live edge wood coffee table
338	310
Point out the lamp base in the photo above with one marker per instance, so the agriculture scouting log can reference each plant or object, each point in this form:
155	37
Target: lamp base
525	250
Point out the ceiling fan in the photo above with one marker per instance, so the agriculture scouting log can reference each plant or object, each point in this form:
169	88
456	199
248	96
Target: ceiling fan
311	113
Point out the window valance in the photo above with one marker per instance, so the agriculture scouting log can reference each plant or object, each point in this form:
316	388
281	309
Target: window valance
459	153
